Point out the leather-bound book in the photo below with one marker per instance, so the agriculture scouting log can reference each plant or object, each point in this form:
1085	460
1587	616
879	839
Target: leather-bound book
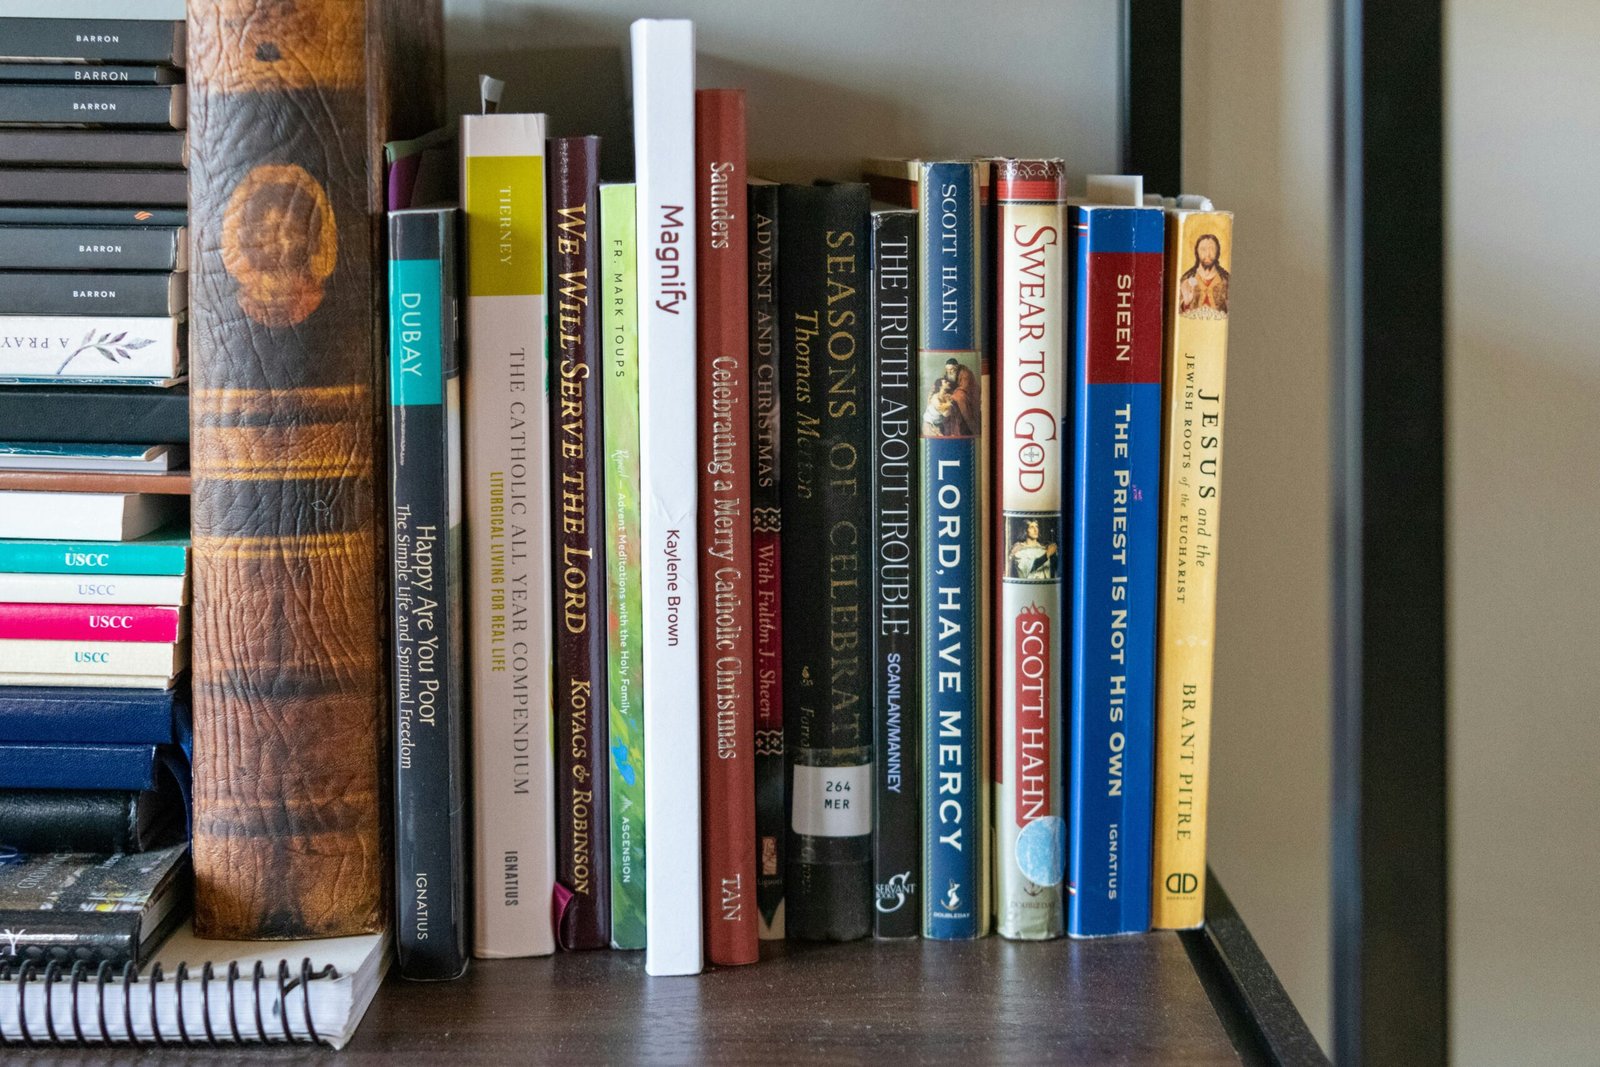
289	106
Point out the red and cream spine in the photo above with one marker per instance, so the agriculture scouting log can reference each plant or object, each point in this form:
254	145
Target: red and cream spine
1030	319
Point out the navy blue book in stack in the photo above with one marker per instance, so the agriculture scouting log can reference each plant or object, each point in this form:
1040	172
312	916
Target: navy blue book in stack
93	770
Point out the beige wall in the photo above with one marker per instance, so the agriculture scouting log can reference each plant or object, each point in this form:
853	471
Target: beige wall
1256	140
1524	393
1523	147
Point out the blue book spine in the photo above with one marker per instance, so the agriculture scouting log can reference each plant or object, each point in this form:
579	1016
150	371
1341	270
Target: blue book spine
157	554
28	765
954	826
79	715
1114	492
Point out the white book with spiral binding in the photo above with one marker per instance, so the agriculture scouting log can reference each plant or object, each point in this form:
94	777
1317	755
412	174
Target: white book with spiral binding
308	992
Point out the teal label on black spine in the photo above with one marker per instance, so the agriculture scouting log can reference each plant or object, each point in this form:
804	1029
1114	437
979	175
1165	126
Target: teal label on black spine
414	350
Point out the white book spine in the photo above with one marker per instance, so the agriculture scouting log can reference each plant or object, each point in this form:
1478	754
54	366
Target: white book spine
506	435
82	516
94	657
99	681
157	589
63	347
664	140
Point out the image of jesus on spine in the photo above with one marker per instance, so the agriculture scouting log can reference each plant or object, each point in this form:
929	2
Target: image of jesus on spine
1203	288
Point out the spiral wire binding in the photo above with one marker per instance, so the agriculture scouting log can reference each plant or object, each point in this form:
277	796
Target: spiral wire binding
28	976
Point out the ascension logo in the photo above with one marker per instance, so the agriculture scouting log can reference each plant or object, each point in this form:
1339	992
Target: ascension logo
897	889
11	939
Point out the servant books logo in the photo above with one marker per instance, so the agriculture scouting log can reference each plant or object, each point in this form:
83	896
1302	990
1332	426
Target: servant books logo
893	894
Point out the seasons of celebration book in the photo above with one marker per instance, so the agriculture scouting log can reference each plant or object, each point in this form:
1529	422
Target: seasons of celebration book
1114	482
766	521
624	642
1199	262
727	618
897	556
288	105
825	412
1030	296
583	855
426	591
663	137
507	443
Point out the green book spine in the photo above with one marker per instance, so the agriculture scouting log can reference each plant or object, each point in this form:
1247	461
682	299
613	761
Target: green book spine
159	553
624	649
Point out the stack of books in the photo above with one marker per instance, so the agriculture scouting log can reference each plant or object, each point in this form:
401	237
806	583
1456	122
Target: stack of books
94	546
93	253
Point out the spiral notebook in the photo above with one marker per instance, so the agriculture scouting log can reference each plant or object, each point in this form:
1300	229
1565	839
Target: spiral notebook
199	992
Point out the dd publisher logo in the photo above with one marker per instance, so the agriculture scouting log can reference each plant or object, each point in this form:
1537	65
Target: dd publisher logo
1181	884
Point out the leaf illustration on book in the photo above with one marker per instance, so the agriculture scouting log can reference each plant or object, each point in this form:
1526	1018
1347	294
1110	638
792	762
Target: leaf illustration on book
112	347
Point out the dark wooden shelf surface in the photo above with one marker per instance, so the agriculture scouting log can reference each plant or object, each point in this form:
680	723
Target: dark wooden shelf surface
1135	1000
1132	1000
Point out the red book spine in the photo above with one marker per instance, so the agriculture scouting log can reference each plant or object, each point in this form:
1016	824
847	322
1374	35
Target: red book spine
89	622
583	848
727	612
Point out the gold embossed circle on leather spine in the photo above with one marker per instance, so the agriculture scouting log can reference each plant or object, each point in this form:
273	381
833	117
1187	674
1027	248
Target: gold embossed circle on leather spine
279	243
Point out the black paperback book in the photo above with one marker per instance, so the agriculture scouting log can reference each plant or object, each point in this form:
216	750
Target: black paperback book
825	414
72	907
766	524
426	639
117	40
87	103
95	414
90	73
897	615
49	185
38	146
134	214
92	293
93	248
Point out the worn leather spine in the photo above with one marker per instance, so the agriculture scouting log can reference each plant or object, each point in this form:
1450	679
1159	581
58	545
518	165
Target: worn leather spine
289	106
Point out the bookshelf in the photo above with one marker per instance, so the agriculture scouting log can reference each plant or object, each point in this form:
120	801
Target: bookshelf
1202	996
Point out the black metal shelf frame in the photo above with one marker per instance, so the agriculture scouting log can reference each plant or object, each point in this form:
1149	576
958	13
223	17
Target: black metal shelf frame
1389	860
